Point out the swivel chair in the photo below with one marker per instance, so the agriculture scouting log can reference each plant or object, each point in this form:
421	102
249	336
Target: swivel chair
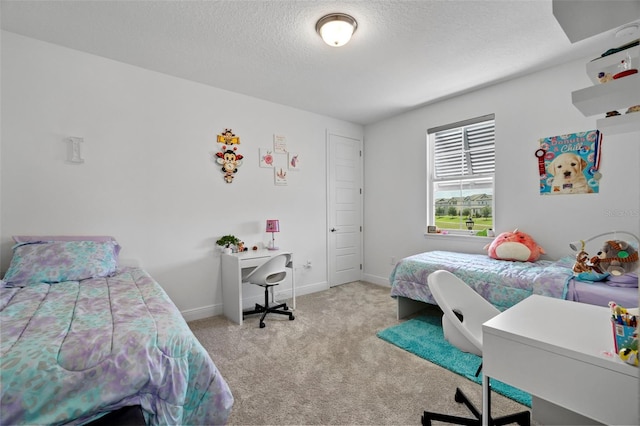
269	274
464	312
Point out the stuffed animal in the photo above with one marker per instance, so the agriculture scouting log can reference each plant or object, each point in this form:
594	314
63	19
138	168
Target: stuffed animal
617	257
586	269
516	246
582	263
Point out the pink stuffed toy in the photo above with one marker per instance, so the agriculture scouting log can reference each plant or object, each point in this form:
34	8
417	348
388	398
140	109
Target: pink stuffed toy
514	245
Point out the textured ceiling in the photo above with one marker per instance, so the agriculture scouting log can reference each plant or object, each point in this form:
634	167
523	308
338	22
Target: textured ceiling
403	55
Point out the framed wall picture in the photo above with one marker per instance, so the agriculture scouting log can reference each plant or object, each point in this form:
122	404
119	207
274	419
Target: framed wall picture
280	176
280	144
266	157
569	164
294	161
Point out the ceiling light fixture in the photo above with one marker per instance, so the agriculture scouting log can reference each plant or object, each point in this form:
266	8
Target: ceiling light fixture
628	31
336	29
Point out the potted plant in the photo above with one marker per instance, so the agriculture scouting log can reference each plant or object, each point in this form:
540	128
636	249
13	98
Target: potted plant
227	241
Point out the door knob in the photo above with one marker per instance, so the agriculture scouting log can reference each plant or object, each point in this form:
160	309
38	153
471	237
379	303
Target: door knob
333	229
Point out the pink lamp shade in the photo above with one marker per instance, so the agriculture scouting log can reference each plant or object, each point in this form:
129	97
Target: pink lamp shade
273	225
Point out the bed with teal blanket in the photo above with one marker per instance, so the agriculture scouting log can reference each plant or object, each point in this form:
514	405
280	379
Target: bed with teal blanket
74	350
503	283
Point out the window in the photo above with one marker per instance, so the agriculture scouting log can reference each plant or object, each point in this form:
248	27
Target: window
460	175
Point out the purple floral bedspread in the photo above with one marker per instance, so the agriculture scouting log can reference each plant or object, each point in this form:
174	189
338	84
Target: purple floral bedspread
503	283
73	351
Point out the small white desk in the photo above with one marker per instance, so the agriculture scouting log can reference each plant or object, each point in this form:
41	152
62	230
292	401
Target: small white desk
555	350
235	266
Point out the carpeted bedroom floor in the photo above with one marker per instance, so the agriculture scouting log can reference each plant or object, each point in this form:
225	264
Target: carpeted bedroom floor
327	367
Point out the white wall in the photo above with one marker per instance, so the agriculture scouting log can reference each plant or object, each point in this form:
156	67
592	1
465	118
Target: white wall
148	177
149	180
526	109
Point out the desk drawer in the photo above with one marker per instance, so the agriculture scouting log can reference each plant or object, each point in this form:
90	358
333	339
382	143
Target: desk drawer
253	262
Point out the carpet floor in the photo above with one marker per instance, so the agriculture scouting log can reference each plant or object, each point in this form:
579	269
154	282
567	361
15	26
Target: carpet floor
328	367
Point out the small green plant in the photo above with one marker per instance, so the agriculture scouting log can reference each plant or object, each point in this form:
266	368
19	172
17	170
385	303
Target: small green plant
228	240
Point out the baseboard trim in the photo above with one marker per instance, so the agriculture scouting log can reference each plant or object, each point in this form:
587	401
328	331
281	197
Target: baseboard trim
202	312
373	279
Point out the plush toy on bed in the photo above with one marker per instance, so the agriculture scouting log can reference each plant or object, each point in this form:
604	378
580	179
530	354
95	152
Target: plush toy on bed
617	257
516	246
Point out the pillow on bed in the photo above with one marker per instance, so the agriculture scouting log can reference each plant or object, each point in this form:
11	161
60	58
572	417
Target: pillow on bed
58	261
40	238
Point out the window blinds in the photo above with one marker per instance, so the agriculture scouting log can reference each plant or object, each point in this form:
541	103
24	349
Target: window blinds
464	152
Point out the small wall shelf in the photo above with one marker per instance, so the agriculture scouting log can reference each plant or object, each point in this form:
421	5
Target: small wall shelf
616	95
609	64
619	124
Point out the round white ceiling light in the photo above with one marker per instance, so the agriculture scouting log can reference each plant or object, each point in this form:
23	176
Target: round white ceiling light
627	31
336	29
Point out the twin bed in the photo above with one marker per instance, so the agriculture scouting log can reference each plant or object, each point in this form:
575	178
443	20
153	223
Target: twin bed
503	283
82	337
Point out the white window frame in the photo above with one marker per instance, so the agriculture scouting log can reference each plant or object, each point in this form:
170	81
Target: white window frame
470	169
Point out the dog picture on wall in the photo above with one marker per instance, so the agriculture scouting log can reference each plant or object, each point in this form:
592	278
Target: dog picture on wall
568	164
568	174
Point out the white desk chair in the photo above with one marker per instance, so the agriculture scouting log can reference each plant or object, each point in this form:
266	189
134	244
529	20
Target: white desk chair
464	312
271	273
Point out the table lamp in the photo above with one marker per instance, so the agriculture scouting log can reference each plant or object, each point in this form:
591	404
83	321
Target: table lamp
273	225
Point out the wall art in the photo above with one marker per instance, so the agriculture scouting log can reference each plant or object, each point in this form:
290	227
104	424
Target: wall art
280	176
227	137
294	161
279	144
569	164
266	157
228	156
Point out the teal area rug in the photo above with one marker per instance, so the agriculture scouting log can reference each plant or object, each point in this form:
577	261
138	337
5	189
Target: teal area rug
423	336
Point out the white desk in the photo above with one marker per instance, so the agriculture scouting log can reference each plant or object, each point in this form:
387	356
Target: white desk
555	350
236	266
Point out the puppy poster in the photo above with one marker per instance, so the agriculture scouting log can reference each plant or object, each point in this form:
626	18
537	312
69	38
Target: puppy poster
568	164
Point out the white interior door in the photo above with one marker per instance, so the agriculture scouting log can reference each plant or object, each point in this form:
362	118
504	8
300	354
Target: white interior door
344	208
